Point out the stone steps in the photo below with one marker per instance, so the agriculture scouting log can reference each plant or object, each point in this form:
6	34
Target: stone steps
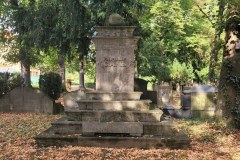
114	116
64	127
126	105
112	96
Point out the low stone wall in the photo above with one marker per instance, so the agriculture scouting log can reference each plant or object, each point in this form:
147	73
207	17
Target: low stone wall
24	99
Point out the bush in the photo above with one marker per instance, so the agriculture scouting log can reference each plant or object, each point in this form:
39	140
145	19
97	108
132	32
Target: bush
51	84
9	81
181	72
90	85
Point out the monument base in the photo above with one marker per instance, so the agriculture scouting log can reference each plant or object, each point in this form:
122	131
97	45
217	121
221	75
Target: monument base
114	115
119	120
180	141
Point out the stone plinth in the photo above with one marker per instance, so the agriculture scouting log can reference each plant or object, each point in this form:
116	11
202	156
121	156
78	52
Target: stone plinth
111	96
114	116
115	46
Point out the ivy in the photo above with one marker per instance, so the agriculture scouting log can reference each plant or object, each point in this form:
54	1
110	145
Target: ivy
233	81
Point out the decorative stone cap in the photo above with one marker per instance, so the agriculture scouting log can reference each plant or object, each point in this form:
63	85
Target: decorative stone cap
115	31
116	20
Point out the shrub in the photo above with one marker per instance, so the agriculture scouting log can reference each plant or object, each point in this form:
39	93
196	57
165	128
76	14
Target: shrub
181	72
51	84
9	81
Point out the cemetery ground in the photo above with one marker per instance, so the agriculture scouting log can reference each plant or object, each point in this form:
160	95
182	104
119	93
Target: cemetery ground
209	140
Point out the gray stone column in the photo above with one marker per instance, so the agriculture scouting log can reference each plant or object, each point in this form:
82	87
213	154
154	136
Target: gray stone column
115	46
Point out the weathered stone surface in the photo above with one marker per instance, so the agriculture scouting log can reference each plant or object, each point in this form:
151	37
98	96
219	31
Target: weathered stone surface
115	31
203	101
24	99
116	20
5	104
63	127
179	141
203	113
115	59
70	99
114	116
164	128
111	96
142	105
131	128
164	95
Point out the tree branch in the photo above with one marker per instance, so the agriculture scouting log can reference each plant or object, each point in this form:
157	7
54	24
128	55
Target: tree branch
205	14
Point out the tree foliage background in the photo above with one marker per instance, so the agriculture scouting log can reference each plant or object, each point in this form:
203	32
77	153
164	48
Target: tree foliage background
185	33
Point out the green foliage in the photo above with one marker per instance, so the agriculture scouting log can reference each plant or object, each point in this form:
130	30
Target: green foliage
175	29
51	84
153	65
236	114
48	61
234	81
180	72
9	81
128	9
203	74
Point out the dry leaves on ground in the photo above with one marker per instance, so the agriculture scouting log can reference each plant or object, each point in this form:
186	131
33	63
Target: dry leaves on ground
209	141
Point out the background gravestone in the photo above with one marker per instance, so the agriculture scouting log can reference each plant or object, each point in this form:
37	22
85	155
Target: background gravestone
26	99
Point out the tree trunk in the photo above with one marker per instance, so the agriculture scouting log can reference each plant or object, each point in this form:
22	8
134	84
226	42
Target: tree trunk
216	45
228	104
61	63
81	71
25	72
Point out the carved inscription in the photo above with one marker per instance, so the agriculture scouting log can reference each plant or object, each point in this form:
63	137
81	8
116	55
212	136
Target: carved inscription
116	62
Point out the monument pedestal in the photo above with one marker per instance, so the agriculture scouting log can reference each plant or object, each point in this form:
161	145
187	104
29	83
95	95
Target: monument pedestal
105	122
113	115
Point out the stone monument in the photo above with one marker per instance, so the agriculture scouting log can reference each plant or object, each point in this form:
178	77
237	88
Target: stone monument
113	115
115	47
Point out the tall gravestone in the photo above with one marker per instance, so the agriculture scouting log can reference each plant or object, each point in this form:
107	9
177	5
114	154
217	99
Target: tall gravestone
115	47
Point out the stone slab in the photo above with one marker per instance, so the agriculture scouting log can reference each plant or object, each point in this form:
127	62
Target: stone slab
114	116
139	105
164	128
203	101
26	99
63	127
179	141
109	96
131	128
5	104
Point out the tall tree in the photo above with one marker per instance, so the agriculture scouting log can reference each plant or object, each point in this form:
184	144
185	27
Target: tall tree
64	24
19	20
229	86
217	42
177	30
102	9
